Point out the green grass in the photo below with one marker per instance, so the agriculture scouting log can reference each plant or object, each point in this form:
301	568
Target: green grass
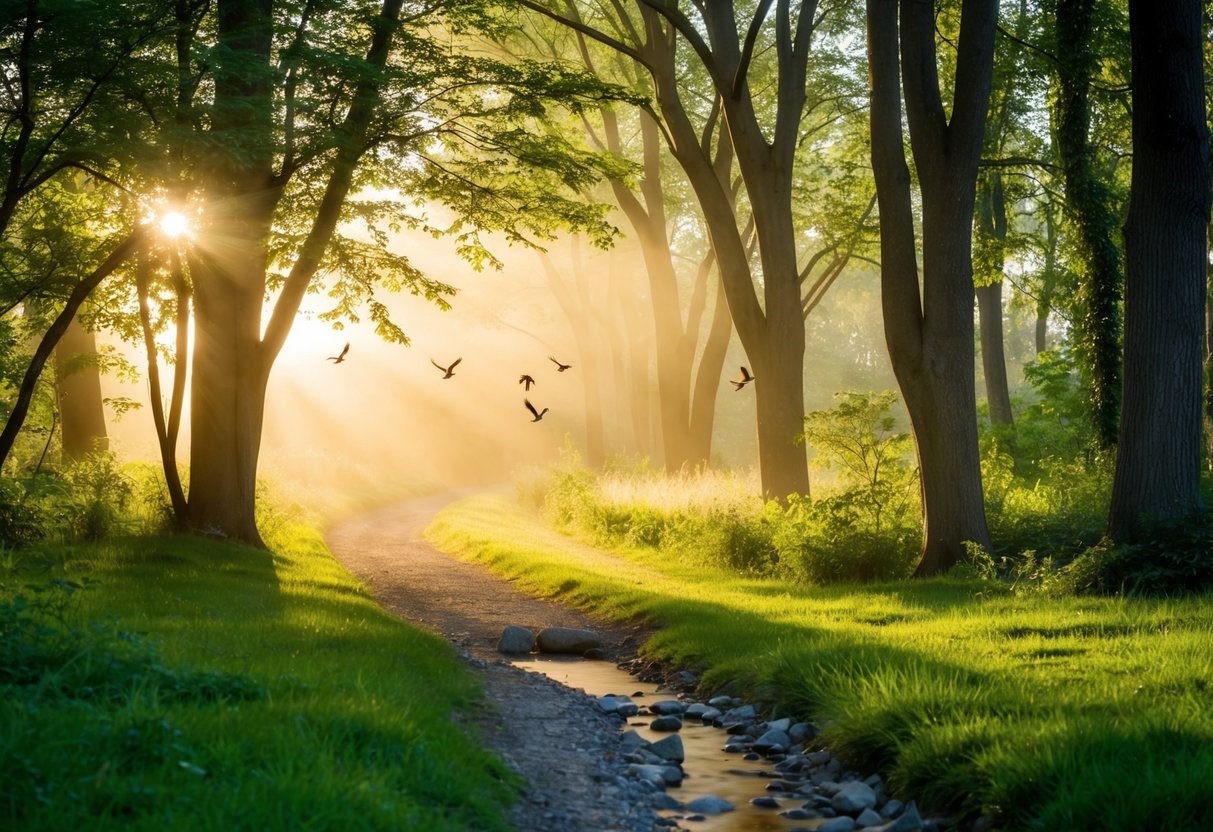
1050	713
200	685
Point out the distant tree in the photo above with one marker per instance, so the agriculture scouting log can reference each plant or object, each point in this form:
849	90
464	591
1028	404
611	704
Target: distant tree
1158	456
1082	31
78	383
929	324
775	77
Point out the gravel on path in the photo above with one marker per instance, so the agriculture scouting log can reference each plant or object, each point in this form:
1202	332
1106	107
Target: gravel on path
557	739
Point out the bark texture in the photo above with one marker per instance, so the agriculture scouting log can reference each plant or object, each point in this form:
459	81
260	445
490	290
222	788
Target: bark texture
1158	459
929	327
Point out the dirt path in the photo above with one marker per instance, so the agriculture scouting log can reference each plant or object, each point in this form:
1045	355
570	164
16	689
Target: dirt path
555	738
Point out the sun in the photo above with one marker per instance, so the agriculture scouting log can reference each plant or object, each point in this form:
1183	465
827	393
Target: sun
174	224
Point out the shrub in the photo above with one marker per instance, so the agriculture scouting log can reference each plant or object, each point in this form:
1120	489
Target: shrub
95	498
21	521
830	540
1169	557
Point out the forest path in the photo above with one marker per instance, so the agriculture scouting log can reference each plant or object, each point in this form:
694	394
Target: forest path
554	737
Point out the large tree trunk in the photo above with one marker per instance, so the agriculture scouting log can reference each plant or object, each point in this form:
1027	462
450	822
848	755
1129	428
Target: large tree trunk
81	409
1093	214
228	392
1158	459
930	331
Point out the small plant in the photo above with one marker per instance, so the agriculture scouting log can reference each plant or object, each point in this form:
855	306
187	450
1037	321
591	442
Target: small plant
20	519
97	495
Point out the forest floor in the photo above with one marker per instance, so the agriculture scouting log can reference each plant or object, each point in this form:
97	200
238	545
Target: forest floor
555	738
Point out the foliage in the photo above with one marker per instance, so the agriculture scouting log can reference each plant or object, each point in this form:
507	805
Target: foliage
97	495
20	519
1168	557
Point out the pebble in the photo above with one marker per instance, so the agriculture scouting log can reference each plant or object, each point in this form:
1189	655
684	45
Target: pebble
853	797
709	805
666	723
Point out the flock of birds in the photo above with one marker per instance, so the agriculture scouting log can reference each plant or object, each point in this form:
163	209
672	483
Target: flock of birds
525	380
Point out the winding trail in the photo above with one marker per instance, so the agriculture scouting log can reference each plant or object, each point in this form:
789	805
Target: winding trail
557	739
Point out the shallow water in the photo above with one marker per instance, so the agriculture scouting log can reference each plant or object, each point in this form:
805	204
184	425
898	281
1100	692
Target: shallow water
707	769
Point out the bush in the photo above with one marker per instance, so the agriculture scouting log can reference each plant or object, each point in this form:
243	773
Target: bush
96	498
20	519
830	540
1169	557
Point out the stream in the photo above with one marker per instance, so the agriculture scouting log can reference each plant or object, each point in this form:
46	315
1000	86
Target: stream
708	770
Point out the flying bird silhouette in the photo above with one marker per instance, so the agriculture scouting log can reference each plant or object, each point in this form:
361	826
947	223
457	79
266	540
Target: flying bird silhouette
746	378
339	357
526	380
448	371
560	368
538	414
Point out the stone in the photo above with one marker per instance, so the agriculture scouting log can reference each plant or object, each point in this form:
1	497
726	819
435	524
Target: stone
799	814
515	639
658	775
696	709
687	678
892	809
666	723
721	701
709	805
819	758
595	653
910	821
853	797
711	715
869	817
611	703
772	739
627	709
765	802
779	725
742	713
665	707
567	640
799	732
839	824
669	748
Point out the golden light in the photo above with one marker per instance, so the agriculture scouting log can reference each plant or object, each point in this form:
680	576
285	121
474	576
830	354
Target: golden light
174	224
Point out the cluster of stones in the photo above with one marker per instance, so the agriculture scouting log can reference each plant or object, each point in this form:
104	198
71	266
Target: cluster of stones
804	785
516	640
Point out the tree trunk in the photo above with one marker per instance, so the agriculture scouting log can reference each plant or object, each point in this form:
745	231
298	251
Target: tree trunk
1158	459
929	330
81	409
25	392
228	390
993	353
1092	210
707	381
993	225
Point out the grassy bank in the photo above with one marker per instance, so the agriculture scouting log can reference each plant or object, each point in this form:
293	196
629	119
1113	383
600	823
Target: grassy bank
1049	713
199	685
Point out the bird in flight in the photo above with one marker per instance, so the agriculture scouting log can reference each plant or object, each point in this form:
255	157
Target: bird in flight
339	357
746	378
526	381
449	371
560	368
538	414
